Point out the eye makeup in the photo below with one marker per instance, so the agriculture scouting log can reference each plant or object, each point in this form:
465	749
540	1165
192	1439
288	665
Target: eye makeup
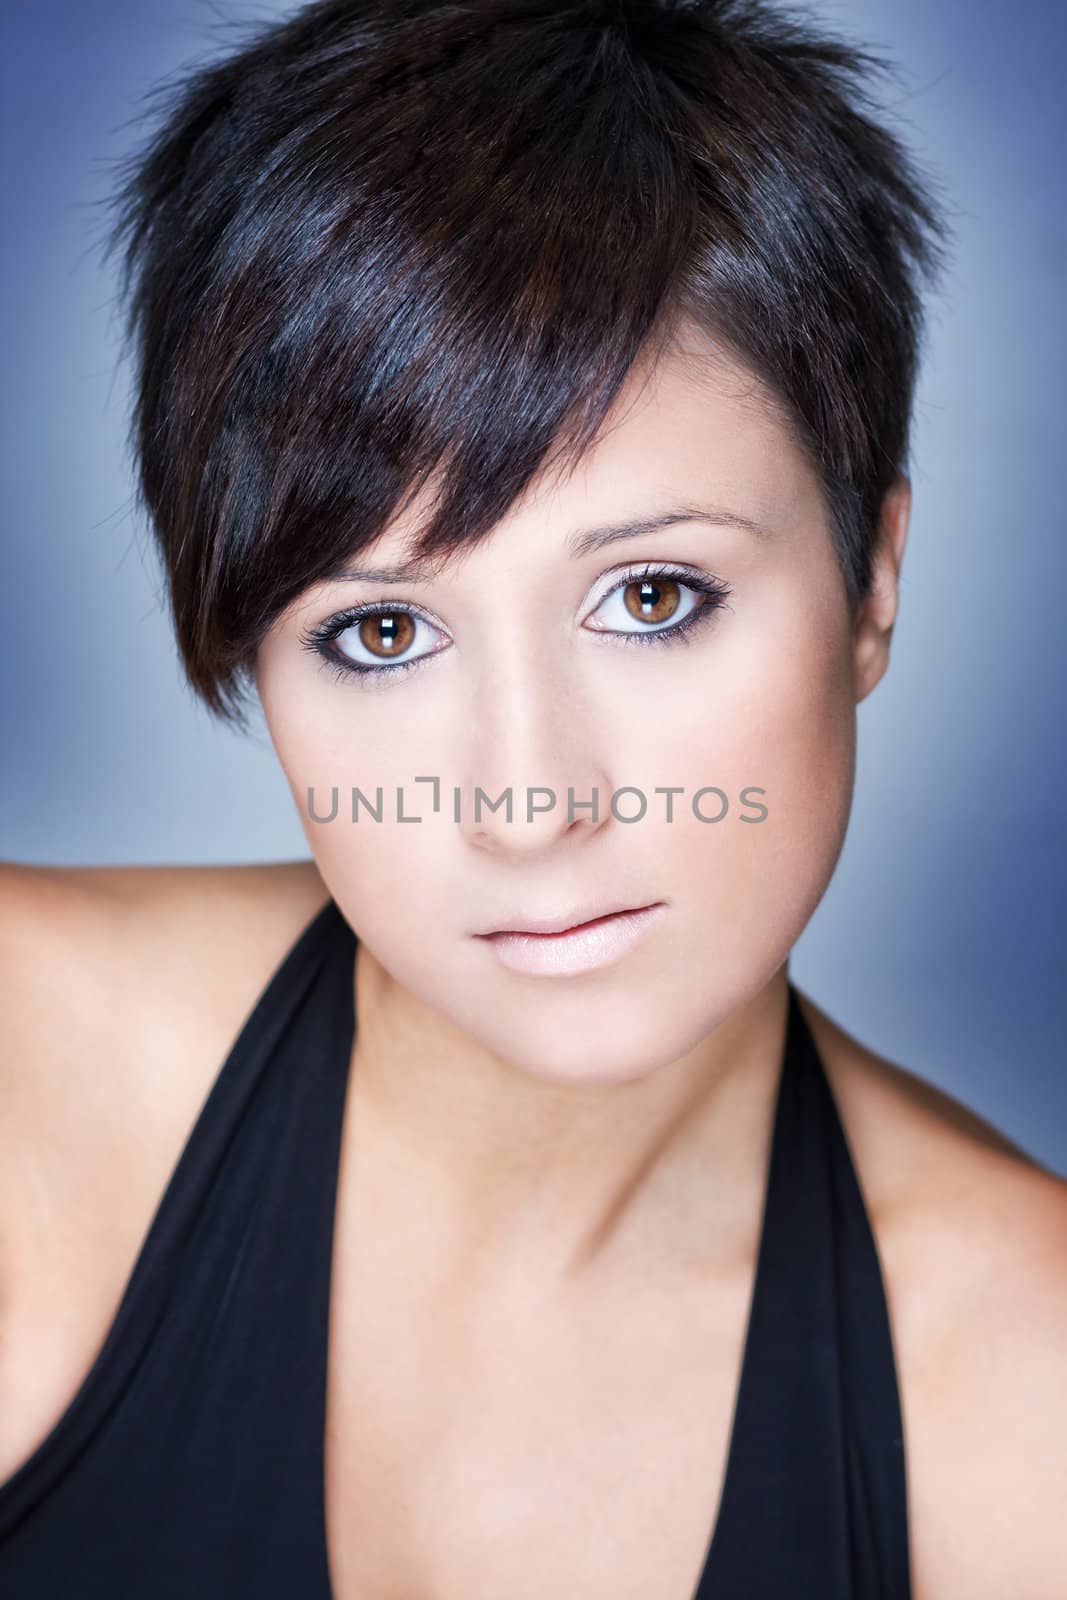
710	596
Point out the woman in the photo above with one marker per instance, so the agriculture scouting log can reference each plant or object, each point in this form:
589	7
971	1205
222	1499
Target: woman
475	347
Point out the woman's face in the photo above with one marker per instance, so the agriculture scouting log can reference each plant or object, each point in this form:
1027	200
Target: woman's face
546	665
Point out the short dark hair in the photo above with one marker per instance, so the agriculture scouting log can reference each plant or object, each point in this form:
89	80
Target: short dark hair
384	241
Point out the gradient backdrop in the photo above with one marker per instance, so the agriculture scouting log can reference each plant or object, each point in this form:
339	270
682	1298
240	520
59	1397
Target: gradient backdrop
941	941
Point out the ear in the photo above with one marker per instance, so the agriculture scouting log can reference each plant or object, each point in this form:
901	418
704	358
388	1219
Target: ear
877	613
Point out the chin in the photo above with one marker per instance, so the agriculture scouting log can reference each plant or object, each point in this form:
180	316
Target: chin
593	1047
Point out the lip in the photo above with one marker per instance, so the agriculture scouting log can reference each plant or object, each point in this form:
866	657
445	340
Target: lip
578	918
599	941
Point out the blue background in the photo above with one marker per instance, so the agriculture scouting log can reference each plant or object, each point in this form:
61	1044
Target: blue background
941	940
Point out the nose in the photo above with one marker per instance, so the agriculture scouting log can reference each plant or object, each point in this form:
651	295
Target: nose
535	756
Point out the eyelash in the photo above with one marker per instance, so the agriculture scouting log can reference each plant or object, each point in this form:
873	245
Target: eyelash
320	639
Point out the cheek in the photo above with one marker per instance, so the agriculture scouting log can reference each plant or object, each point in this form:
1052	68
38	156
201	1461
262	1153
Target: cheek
331	739
774	711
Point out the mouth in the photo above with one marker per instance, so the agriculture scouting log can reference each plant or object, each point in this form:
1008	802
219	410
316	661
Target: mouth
561	947
547	927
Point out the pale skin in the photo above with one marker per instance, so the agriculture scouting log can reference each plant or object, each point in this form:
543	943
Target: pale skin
529	1165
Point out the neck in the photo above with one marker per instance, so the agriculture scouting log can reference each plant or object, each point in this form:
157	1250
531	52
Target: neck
488	1170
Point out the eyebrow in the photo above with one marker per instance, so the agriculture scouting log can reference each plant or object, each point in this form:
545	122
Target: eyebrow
580	544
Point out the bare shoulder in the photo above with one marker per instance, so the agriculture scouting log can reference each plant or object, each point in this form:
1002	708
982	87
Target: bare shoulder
972	1234
127	985
38	899
122	990
150	937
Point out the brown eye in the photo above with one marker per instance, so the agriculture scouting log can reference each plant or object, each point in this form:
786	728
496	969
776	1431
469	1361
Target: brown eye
379	640
664	605
652	600
386	635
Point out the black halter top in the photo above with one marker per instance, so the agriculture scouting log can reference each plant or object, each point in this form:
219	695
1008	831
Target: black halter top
190	1461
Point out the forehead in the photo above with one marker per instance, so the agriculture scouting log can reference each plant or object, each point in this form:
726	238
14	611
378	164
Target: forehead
693	425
